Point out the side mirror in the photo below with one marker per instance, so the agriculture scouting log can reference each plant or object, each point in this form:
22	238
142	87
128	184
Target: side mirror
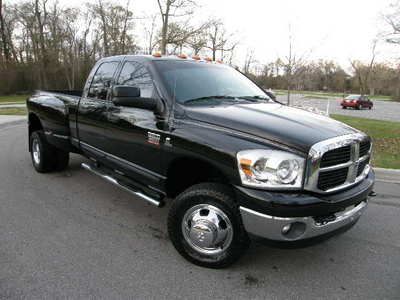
129	96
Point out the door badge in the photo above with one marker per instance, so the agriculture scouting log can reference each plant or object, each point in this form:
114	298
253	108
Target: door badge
153	138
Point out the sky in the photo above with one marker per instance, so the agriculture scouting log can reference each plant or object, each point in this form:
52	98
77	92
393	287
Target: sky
339	30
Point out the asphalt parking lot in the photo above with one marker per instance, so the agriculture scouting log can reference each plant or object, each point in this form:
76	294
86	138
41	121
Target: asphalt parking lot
72	235
382	110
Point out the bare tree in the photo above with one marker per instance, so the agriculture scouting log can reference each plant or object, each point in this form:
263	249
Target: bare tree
150	33
363	72
293	64
115	23
249	61
219	39
181	34
198	42
170	9
3	34
393	20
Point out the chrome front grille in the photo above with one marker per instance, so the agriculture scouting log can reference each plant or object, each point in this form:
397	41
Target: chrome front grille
336	156
331	179
338	163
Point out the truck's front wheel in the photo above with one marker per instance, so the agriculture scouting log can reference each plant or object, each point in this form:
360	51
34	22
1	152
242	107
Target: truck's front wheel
45	157
205	226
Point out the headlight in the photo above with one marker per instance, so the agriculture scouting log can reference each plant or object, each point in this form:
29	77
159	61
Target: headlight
270	169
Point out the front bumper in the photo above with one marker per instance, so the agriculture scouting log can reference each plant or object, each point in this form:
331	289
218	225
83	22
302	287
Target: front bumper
286	217
292	229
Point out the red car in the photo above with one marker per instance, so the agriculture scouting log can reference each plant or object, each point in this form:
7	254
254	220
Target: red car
357	102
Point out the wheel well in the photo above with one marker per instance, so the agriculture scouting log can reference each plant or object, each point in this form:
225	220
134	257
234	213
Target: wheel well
186	172
34	125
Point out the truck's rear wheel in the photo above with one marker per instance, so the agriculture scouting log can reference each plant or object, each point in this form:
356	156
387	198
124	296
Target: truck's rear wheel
45	157
205	226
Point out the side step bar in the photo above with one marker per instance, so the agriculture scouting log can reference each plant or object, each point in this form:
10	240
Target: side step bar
115	182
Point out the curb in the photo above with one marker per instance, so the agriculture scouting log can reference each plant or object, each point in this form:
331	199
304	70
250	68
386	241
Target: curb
387	175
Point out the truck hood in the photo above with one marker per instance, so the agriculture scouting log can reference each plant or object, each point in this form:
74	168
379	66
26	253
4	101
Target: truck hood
275	122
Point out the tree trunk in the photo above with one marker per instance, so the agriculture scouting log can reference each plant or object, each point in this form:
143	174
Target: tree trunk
43	55
164	30
3	34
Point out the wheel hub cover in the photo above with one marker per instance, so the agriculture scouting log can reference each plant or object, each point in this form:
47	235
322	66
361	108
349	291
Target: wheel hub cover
203	234
207	229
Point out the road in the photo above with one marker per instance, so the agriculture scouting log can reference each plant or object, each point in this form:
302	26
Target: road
382	110
73	235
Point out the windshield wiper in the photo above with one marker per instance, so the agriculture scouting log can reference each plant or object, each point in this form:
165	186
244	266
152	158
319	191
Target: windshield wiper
210	97
254	98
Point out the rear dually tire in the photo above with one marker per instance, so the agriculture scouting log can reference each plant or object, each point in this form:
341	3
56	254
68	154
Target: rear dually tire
45	157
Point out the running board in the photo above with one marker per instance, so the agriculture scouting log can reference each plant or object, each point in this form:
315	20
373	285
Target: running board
115	182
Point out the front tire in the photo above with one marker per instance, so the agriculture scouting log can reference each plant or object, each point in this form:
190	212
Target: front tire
46	157
205	226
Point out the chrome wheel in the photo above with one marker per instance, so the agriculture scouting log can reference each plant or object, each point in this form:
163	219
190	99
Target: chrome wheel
207	229
36	151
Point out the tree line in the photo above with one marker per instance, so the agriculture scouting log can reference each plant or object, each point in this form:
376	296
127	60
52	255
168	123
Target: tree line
47	46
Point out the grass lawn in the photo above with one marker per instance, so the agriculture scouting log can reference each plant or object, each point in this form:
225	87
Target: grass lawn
385	136
13	99
16	111
327	95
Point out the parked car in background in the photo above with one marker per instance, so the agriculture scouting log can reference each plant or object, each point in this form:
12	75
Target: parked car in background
357	102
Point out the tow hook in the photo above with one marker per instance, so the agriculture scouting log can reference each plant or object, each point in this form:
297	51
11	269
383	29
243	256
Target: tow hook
372	194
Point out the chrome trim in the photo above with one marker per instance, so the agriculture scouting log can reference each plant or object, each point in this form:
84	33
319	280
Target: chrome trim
270	227
207	229
319	149
36	151
48	132
115	182
61	136
336	167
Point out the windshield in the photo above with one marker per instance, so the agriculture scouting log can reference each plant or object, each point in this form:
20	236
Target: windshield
352	97
197	82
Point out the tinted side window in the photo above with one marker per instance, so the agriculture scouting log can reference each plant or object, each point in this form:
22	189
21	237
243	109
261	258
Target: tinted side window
102	80
135	74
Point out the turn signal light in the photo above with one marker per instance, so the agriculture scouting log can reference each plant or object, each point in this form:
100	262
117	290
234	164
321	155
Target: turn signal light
182	55
208	59
245	164
196	57
157	54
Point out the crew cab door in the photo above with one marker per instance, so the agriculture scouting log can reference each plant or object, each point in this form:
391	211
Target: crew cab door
133	139
92	111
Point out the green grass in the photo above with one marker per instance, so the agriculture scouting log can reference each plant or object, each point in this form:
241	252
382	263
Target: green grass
385	136
327	95
11	99
16	111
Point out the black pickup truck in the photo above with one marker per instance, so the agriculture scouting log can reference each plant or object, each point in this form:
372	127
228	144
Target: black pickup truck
235	162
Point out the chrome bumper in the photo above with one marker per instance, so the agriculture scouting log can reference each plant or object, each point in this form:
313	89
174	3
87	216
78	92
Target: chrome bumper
298	228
